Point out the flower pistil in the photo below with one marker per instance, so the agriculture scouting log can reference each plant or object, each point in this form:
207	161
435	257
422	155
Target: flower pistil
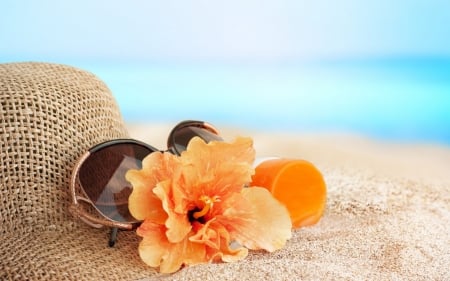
208	203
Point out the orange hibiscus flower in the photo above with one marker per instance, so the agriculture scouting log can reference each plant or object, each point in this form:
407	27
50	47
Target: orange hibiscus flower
195	209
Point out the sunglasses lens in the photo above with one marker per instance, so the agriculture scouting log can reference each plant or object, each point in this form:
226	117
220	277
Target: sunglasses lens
182	136
102	176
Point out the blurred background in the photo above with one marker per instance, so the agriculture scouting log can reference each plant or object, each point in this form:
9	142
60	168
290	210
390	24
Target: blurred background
376	68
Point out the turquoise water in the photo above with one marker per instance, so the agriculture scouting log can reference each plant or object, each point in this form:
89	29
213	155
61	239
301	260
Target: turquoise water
407	100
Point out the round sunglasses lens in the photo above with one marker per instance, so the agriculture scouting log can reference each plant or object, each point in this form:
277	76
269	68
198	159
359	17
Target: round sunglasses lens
182	136
102	177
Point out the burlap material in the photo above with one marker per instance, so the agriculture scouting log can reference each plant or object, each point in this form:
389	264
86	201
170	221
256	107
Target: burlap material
51	114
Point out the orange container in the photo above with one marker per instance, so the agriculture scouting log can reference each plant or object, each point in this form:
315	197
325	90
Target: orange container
297	184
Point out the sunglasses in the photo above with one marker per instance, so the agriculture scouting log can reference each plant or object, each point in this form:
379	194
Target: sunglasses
98	177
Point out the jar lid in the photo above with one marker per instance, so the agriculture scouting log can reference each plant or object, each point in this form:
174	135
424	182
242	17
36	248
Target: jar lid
296	183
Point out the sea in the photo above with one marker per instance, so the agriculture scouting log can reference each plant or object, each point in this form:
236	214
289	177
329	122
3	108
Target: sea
397	99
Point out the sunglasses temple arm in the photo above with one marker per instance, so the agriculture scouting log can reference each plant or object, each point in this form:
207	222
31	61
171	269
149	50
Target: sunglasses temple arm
113	237
95	221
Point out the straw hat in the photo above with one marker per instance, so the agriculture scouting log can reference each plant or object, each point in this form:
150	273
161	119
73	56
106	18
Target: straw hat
51	114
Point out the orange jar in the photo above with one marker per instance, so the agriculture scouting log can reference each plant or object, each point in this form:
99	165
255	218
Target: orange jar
297	184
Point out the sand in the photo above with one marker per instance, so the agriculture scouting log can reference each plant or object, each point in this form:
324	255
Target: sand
387	215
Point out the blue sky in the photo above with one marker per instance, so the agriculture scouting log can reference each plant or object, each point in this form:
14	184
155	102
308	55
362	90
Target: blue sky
375	67
251	30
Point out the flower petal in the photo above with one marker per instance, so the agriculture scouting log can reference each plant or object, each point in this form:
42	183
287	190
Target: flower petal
217	168
240	150
181	253
268	224
178	225
143	203
154	244
217	239
227	252
231	255
155	250
205	235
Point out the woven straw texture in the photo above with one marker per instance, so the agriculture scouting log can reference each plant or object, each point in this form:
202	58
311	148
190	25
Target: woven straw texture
50	115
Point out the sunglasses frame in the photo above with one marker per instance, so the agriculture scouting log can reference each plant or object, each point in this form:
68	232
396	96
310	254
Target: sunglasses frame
99	219
76	208
184	124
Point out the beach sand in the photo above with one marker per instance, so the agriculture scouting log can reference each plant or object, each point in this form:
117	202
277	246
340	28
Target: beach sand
387	215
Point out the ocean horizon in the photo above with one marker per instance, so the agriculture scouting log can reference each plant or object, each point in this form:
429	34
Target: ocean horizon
394	99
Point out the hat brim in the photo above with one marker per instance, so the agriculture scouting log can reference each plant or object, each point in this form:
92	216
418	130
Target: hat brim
81	253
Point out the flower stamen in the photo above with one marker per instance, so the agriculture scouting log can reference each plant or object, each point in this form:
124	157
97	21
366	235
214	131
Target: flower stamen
208	204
